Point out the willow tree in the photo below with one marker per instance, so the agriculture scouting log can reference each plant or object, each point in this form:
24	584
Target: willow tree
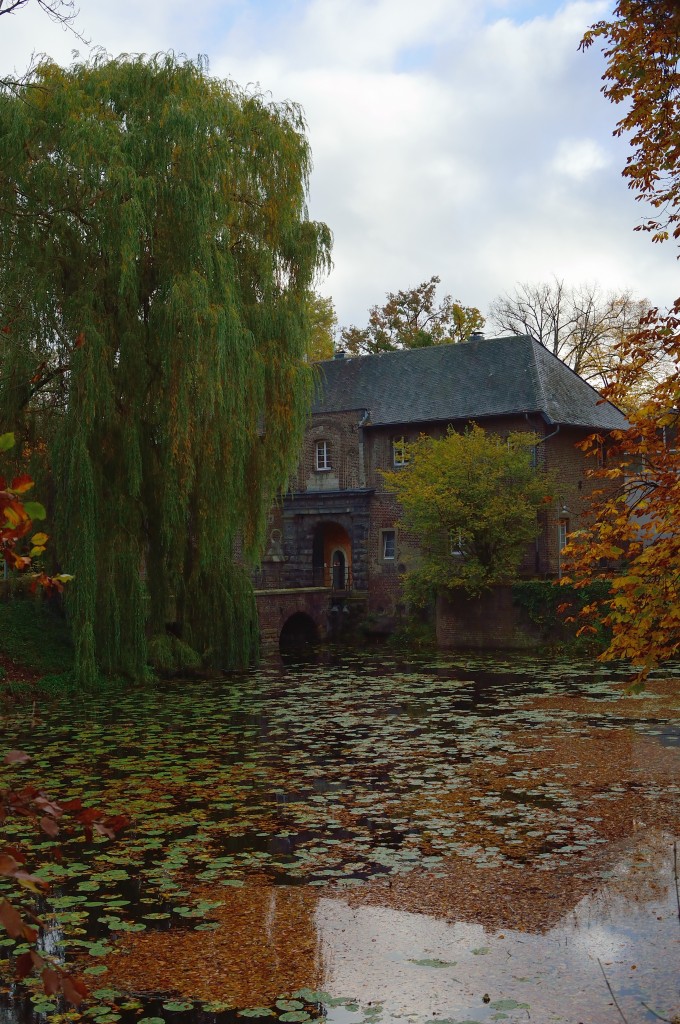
155	265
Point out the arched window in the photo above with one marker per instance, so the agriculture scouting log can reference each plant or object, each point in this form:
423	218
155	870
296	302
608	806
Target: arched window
323	456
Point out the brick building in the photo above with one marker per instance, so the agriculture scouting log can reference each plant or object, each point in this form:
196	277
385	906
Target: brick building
337	524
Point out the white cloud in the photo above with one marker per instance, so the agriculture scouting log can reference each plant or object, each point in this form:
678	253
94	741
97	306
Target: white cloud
467	140
579	158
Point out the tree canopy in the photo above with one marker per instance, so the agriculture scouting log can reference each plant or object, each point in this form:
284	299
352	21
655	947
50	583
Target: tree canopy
413	319
155	265
636	524
323	322
471	499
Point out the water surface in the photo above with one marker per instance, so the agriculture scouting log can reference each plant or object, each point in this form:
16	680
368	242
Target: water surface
369	840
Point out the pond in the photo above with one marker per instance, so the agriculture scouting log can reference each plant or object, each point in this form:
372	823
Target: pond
365	840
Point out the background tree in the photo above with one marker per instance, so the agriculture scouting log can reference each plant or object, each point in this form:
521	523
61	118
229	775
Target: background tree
581	325
412	319
471	500
155	266
636	526
323	323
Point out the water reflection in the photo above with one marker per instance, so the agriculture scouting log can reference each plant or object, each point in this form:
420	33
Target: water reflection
415	964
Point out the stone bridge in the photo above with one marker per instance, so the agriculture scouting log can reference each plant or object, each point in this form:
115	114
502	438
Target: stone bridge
298	615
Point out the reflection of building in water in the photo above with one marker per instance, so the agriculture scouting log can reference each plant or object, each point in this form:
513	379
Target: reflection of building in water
407	961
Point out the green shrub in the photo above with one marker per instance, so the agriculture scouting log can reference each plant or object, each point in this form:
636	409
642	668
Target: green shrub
541	599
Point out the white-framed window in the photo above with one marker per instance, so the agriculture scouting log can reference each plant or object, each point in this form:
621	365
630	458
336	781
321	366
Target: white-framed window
455	542
388	545
562	532
400	456
562	538
323	456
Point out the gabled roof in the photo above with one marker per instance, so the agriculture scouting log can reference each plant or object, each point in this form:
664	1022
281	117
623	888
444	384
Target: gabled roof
480	378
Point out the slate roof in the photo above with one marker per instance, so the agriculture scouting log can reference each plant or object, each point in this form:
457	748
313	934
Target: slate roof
487	377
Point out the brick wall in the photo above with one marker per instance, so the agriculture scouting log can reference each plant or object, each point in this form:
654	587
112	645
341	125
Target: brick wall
341	432
491	621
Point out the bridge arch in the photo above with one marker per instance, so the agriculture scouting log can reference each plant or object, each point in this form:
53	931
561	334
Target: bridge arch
285	612
299	630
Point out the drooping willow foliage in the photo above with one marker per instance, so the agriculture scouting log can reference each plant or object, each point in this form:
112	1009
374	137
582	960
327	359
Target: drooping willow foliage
155	265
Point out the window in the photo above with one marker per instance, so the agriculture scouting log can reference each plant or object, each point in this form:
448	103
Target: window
389	545
562	531
323	456
455	542
400	456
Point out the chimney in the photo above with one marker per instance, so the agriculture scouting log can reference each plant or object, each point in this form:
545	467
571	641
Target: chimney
339	353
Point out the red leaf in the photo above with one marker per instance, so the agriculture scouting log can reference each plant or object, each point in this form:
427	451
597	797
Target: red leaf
37	960
72	805
74	989
22	483
109	826
14	851
8	864
51	980
88	816
24	965
11	920
16	757
49	826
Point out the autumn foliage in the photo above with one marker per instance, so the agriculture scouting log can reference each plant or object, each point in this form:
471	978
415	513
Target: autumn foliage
634	539
16	522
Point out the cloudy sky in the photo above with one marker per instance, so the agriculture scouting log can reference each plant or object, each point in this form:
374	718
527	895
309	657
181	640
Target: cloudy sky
464	138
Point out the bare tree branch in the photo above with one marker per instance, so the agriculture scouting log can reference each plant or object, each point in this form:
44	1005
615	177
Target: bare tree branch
581	325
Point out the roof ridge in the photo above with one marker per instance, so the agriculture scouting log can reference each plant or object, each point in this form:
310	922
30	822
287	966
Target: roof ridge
541	397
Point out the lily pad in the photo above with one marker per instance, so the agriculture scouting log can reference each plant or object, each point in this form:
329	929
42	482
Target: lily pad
434	963
509	1004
